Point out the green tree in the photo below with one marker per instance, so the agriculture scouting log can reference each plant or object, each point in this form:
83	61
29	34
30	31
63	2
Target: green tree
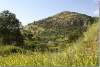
10	29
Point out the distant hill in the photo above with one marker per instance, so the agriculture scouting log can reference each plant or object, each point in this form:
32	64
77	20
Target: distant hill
64	27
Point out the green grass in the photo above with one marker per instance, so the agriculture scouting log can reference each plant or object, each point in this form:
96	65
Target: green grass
84	52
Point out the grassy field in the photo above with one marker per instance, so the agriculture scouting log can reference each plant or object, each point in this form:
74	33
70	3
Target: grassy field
84	52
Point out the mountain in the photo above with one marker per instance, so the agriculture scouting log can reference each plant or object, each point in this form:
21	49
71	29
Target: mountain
64	27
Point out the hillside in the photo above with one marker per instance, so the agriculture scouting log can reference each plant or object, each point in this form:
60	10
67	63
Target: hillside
64	27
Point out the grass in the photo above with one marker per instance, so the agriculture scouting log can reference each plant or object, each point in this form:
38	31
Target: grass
84	52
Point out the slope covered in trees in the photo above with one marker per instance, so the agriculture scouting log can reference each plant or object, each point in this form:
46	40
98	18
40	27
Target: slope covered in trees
64	27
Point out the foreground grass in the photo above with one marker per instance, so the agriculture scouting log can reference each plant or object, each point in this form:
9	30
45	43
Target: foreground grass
82	53
58	59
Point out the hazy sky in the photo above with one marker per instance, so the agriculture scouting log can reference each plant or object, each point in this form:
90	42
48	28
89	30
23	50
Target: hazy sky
28	11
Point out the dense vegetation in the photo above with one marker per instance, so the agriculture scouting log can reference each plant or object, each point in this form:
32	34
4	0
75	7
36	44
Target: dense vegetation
54	31
67	38
9	29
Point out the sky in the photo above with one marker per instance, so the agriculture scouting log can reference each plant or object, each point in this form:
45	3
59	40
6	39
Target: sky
28	11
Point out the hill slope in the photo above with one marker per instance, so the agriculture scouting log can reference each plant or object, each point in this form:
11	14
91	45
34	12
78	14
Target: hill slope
64	27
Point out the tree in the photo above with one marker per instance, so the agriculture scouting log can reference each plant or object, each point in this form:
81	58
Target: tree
10	29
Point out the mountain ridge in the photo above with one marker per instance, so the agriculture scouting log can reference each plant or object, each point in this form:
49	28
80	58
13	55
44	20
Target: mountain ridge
58	14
